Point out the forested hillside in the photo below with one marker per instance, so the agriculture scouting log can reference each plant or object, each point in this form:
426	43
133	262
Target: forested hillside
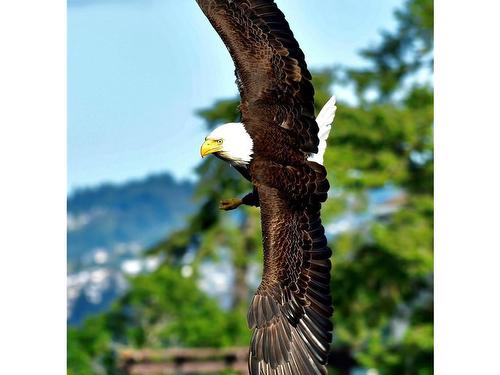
108	227
140	211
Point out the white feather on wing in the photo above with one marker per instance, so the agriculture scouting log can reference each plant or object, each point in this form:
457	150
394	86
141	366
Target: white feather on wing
324	121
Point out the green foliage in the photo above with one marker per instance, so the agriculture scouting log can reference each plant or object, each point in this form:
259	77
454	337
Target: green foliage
89	349
161	309
382	277
149	319
400	54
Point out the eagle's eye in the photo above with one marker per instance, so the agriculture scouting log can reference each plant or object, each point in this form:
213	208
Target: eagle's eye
219	141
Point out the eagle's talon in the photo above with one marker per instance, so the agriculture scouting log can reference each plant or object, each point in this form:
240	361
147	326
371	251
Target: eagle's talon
229	204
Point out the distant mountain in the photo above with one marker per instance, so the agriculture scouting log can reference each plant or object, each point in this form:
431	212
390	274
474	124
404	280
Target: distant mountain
109	226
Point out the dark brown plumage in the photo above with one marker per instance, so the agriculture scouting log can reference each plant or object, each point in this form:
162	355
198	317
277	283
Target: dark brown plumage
290	312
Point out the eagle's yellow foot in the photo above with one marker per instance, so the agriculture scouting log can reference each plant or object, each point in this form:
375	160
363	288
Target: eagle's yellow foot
230	204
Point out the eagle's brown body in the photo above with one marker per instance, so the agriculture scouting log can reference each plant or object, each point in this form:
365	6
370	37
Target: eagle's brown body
290	312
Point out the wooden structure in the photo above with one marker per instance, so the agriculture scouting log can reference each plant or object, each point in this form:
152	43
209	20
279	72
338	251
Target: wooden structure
184	361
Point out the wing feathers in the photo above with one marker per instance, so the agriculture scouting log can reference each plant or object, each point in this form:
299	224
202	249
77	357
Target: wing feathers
292	334
272	75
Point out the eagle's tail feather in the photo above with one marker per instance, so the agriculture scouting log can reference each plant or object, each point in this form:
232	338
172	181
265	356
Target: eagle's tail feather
324	121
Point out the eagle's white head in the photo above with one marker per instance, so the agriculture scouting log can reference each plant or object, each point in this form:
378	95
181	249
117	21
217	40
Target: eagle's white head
230	142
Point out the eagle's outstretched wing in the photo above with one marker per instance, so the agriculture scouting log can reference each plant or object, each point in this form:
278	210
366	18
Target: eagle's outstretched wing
290	312
272	76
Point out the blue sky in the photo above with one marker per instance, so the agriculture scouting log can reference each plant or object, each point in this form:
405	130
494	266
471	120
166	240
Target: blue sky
138	70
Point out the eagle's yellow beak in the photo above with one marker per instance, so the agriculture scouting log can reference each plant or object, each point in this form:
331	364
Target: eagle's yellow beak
210	146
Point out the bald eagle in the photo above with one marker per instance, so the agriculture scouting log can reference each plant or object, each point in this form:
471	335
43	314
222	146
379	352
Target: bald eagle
279	147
